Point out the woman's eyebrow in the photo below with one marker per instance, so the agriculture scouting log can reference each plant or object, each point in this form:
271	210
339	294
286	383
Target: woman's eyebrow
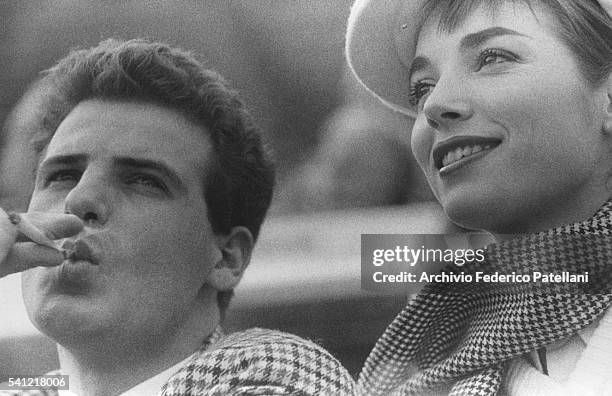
469	41
473	40
420	62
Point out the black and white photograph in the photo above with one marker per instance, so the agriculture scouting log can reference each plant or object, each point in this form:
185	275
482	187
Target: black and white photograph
306	197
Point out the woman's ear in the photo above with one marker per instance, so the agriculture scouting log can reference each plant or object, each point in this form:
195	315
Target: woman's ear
236	248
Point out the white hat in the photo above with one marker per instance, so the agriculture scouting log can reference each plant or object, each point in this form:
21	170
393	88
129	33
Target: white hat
375	54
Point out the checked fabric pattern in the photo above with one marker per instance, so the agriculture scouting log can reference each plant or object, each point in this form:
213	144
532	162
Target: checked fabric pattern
457	338
261	362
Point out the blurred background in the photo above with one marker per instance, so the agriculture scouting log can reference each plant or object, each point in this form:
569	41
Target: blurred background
344	165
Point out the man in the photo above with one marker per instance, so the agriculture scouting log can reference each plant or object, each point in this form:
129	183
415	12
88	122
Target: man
160	165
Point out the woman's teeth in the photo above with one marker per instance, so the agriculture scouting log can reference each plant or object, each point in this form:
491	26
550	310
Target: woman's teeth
459	153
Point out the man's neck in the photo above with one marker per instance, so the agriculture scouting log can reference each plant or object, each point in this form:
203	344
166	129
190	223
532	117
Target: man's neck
112	367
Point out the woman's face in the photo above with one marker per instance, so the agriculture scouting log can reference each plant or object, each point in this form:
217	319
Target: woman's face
508	133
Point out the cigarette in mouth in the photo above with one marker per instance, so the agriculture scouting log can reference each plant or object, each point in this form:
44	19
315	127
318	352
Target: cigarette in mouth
30	231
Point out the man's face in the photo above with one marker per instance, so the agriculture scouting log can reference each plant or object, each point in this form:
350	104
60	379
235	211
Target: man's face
134	172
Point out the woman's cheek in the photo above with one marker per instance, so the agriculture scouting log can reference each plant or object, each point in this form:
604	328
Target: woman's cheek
420	143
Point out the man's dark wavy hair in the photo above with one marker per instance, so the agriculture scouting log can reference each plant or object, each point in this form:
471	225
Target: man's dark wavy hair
238	187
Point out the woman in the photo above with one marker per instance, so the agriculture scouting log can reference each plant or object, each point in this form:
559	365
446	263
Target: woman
512	103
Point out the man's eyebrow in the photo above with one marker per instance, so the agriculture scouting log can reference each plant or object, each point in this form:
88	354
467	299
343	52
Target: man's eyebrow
469	41
69	159
159	166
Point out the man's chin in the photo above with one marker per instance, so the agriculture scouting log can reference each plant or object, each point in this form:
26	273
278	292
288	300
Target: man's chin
66	312
69	322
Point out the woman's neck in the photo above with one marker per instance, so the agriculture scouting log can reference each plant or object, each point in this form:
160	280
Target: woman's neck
553	216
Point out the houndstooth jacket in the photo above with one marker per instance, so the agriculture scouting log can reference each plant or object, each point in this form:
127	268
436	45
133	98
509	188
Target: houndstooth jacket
253	362
261	362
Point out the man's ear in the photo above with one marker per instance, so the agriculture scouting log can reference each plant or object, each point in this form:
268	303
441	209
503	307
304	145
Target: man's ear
236	248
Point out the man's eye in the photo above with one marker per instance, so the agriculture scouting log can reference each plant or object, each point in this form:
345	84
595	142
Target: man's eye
62	176
492	56
146	181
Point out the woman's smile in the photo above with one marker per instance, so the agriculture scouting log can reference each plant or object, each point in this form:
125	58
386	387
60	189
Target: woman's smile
457	151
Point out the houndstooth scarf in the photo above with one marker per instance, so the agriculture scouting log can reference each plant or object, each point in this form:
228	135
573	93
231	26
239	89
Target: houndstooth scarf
458	338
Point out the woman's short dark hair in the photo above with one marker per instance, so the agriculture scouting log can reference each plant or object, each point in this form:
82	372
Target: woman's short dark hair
238	187
582	25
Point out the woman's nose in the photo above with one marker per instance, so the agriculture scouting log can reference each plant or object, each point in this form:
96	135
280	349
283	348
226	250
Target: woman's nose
89	200
448	103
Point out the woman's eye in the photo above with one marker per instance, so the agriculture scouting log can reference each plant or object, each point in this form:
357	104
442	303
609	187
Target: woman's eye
493	56
418	92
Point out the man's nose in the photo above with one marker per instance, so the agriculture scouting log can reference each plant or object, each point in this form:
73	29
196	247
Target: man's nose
89	200
448	103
